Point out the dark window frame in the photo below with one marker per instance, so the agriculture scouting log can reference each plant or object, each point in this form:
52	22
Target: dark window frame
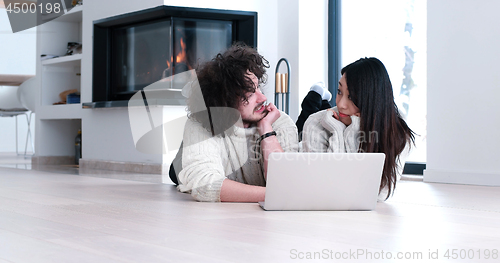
334	48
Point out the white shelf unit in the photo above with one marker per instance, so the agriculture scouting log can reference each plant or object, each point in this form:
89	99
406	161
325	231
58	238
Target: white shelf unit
61	73
58	112
73	60
58	140
57	125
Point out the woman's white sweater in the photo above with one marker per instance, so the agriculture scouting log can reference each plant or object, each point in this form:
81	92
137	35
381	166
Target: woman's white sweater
323	133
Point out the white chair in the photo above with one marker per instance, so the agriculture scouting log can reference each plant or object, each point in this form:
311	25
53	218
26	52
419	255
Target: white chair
26	94
19	100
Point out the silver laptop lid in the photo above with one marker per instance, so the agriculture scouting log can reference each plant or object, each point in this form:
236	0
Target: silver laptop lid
323	181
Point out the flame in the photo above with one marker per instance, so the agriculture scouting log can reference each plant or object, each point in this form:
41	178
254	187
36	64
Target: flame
181	57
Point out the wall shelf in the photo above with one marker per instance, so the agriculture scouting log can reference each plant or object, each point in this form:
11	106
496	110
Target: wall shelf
64	61
61	111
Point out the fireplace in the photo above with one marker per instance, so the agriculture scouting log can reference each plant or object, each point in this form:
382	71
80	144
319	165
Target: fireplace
134	50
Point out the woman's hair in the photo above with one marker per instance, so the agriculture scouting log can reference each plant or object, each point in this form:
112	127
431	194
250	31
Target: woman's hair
382	127
224	83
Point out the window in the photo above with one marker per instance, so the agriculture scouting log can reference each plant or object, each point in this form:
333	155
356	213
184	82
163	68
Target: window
393	31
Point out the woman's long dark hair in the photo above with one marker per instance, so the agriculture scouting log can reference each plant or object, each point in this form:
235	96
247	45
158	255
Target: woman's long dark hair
382	127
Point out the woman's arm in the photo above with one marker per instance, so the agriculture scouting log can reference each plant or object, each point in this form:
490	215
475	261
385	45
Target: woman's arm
352	136
323	133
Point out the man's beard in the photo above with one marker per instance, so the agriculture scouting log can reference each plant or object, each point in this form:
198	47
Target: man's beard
253	121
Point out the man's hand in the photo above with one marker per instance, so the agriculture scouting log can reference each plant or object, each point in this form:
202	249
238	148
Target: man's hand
264	125
271	143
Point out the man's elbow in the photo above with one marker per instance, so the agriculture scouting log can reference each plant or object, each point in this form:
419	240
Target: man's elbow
208	193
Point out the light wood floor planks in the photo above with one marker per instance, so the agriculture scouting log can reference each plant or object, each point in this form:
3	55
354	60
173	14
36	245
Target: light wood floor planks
56	217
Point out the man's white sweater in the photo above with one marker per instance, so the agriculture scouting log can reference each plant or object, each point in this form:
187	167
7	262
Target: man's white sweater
208	160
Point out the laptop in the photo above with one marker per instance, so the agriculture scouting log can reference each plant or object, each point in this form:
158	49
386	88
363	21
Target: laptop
323	181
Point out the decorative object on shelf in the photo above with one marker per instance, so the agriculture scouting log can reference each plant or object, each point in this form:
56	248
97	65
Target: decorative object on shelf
64	96
74	48
282	91
73	98
76	2
47	56
78	147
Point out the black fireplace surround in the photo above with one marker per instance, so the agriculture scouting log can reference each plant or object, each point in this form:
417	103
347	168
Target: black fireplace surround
136	49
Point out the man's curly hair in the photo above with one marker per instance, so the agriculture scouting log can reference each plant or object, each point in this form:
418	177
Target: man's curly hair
224	83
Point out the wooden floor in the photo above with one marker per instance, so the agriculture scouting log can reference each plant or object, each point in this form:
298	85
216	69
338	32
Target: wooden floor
58	217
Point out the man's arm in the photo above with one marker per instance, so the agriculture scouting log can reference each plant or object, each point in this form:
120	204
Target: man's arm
232	191
269	144
202	171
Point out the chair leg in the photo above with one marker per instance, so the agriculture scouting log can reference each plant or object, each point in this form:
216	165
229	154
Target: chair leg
28	136
17	151
31	136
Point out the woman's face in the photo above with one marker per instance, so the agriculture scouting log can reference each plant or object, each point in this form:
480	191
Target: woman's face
344	103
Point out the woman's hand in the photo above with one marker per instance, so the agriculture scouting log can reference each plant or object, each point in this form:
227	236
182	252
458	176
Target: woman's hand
345	120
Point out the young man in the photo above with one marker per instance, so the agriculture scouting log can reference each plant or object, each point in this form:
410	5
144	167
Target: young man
231	131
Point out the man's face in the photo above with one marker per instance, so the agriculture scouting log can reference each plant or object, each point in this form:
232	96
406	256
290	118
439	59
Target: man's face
253	110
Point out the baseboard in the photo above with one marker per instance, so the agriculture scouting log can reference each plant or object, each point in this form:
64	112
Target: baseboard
453	177
144	168
52	160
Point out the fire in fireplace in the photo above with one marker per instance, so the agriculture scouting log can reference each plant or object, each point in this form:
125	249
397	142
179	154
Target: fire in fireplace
134	50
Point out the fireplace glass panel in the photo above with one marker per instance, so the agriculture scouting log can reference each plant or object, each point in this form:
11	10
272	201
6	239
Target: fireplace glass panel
145	53
140	53
197	41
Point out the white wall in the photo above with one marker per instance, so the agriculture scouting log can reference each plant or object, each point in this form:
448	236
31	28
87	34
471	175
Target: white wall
17	56
106	133
463	92
288	47
303	41
313	49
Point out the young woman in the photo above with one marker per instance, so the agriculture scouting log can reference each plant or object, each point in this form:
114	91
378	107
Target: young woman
366	119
